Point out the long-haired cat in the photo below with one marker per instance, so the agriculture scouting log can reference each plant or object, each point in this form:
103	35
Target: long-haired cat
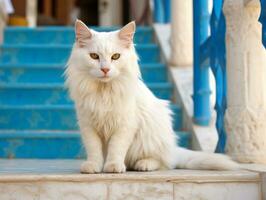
123	125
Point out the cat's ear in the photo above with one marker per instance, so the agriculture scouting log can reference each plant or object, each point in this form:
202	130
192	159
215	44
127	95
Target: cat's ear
83	33
126	34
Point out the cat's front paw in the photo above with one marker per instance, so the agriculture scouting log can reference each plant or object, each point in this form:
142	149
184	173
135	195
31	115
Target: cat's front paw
90	167
114	167
147	165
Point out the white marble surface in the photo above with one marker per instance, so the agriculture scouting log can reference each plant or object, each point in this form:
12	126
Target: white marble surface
38	170
139	190
246	92
204	138
72	191
209	191
128	190
259	168
60	179
181	33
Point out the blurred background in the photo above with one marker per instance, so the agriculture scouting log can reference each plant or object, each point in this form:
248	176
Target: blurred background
65	12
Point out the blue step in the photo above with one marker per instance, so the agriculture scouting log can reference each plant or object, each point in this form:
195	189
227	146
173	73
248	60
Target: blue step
43	94
40	144
41	73
50	144
51	117
37	118
58	54
61	35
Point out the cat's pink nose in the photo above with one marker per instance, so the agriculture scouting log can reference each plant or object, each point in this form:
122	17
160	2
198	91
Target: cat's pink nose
105	70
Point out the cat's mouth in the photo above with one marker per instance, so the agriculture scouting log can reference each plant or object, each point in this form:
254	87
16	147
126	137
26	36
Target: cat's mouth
104	78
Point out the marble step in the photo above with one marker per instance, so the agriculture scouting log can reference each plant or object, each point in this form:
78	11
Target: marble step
61	180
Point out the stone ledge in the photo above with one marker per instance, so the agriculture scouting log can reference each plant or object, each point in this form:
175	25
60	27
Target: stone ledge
61	180
173	176
21	170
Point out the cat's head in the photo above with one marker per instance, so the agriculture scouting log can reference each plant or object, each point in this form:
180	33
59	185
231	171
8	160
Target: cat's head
105	55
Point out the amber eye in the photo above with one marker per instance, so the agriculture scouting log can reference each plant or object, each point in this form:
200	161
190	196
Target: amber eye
115	56
94	56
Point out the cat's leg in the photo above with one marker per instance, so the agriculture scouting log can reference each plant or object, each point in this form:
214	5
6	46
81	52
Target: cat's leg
117	149
148	164
93	146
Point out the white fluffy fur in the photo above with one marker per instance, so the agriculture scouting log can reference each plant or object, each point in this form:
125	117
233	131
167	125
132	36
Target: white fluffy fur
123	125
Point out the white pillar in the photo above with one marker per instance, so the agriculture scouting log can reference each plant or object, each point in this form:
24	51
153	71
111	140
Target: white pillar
110	12
181	33
3	19
31	13
245	118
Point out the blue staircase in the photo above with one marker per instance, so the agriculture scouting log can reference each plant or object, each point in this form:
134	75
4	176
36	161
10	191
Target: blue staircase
37	118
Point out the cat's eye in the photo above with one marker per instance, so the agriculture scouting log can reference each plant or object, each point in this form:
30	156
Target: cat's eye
94	56
115	56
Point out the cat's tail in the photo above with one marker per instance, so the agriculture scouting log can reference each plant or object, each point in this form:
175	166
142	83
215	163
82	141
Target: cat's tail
188	159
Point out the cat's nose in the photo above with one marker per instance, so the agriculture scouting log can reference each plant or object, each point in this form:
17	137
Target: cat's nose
105	70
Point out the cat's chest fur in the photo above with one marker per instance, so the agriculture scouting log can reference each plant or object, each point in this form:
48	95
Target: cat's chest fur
107	108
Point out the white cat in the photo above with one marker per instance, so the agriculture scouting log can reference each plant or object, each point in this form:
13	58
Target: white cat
123	125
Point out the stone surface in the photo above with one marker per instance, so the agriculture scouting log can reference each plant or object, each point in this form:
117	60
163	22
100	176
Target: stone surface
246	92
19	191
72	191
264	186
147	191
31	13
261	169
3	19
110	12
181	41
204	138
61	180
210	191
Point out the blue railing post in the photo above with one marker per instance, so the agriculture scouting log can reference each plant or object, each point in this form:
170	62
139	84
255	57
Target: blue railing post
201	94
167	11
158	14
218	66
162	11
262	19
